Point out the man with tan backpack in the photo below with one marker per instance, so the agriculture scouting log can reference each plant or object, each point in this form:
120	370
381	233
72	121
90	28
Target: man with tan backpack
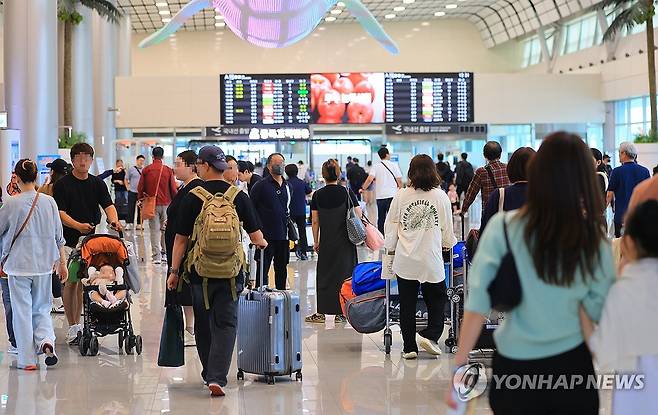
209	232
157	186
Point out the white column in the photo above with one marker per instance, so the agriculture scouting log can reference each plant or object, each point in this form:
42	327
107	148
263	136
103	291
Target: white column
30	76
82	82
124	64
104	72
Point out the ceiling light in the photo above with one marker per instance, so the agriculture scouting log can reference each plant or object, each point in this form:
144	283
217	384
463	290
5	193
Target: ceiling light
439	14
340	4
425	24
336	11
398	8
321	28
416	29
166	20
218	17
408	1
390	16
330	19
161	4
164	12
451	6
220	24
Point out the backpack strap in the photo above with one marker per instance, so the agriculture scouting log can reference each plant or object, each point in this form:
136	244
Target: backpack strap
202	194
231	194
206	301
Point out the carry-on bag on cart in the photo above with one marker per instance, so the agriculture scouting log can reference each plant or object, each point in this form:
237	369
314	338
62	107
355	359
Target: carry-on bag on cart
367	277
269	332
367	313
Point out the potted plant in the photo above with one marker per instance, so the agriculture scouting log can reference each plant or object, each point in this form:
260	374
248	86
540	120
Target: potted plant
647	149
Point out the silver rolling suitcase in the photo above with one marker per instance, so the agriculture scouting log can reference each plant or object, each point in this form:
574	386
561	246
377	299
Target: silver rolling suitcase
269	332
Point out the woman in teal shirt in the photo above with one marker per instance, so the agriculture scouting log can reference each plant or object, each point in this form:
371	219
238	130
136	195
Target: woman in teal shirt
563	260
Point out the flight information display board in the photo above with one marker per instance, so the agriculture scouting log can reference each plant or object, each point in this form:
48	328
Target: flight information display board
265	99
346	98
429	97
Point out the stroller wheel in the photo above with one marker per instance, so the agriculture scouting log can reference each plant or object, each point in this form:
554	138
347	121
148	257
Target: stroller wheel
138	344
130	344
121	339
82	345
93	346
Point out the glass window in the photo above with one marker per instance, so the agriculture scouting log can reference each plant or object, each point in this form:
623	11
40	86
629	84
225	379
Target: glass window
572	37
637	110
587	32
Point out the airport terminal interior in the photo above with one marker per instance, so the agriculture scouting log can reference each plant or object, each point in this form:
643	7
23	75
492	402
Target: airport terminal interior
308	96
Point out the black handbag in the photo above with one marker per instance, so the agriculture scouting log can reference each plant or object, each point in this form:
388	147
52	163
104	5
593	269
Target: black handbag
505	289
172	342
293	234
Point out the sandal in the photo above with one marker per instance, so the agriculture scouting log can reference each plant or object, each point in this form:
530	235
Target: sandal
340	319
315	318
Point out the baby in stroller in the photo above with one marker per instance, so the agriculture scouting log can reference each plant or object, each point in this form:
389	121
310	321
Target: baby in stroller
102	278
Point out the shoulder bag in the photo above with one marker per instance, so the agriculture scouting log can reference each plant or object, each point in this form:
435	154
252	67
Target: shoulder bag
149	203
356	230
389	170
293	234
505	289
20	230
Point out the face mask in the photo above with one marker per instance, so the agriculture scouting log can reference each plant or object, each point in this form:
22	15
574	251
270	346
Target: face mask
278	169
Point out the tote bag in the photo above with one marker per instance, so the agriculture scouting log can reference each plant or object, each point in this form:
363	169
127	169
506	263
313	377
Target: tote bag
172	346
374	238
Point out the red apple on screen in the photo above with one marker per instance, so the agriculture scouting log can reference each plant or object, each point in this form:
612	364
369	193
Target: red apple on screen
357	77
359	113
329	120
330	105
319	84
365	87
332	77
344	86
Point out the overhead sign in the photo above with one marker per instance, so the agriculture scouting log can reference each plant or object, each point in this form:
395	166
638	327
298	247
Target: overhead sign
423	129
259	133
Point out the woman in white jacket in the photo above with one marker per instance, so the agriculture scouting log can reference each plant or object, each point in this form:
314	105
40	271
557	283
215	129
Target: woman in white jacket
417	228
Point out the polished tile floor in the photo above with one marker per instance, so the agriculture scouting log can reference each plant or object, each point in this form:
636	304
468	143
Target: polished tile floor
344	372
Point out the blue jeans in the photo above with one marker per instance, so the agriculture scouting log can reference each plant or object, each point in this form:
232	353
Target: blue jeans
31	303
6	302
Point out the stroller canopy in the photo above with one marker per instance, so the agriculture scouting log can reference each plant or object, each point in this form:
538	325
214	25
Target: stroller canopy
99	250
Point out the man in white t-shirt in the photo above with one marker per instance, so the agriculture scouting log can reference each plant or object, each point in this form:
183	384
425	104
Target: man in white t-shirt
388	179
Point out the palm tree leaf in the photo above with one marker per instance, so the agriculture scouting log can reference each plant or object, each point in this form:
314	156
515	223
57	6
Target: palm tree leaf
617	4
104	8
629	18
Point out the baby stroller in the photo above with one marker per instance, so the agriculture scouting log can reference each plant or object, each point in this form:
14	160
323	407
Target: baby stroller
98	321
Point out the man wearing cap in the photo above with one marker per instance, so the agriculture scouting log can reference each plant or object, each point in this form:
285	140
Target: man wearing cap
271	199
215	326
157	180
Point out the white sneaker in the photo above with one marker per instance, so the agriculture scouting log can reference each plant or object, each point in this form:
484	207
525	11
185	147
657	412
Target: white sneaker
430	346
410	355
12	350
72	336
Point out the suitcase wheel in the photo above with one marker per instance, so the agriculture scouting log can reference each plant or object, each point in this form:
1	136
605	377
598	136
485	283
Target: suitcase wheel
453	350
450	342
298	377
269	379
240	375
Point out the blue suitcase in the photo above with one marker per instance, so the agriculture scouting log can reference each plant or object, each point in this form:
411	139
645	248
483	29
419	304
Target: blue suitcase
269	333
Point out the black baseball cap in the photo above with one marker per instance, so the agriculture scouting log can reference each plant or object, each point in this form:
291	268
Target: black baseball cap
214	156
59	166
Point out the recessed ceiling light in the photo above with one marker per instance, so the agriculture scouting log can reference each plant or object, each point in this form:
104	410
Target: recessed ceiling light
161	4
330	19
451	6
390	16
425	24
439	14
164	12
321	28
218	17
416	29
340	4
398	8
166	20
336	11
408	1
220	24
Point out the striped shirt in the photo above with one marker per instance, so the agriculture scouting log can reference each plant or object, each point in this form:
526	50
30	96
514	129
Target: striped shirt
481	181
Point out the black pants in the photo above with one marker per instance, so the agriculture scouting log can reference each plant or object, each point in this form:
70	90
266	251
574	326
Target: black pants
279	251
559	401
215	329
461	189
132	205
434	295
383	205
618	227
302	244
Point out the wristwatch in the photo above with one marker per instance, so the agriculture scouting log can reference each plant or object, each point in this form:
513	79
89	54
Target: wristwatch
173	271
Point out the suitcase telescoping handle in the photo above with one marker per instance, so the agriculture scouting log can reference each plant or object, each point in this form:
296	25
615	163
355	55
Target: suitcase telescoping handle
261	268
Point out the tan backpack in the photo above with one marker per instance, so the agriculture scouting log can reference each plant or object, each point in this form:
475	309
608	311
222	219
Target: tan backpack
216	248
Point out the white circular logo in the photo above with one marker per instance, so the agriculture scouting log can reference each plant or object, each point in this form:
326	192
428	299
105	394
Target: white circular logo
470	381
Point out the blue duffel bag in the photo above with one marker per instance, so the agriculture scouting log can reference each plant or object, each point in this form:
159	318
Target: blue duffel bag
458	255
367	277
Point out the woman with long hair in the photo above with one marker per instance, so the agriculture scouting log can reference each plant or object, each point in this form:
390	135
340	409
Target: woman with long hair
418	226
336	253
563	260
32	242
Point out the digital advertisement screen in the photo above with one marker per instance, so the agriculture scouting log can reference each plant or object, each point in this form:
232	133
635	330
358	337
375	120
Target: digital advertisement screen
347	98
265	99
429	97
